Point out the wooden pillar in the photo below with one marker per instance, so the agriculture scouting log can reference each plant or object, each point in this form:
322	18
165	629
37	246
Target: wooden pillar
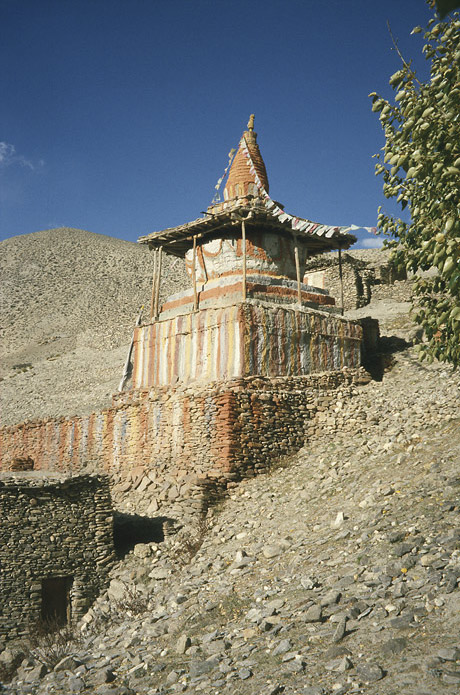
195	295
341	280
243	241
154	284
158	279
297	269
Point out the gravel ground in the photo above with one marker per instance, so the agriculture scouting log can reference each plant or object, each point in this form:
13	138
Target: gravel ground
336	573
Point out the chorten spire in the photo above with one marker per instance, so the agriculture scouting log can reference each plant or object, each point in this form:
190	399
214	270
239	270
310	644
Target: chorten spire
241	182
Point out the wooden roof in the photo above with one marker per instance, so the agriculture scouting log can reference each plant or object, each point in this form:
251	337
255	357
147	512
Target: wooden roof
177	240
246	198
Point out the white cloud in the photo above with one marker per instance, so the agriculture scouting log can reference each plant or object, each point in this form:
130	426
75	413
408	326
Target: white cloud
373	243
6	153
9	156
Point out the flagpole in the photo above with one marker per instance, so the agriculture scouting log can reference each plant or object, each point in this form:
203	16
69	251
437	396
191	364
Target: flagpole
297	269
158	279
154	284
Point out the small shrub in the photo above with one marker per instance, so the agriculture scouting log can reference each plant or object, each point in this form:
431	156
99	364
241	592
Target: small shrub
50	641
114	612
23	366
190	541
134	602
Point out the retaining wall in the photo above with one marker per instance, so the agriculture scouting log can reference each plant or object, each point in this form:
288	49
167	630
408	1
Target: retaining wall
169	450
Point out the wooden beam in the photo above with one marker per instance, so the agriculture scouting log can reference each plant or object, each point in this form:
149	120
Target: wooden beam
297	270
202	261
195	294
154	284
243	242
157	289
341	281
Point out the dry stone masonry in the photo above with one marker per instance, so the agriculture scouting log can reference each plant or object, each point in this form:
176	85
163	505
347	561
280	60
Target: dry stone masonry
227	376
366	275
56	548
168	451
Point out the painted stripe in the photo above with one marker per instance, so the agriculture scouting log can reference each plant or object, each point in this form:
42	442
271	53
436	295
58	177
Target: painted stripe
242	339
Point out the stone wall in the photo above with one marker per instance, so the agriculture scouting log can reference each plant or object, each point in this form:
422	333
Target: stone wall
356	291
399	291
54	529
168	451
242	340
366	275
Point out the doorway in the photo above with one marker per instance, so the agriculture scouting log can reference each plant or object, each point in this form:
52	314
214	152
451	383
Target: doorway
56	600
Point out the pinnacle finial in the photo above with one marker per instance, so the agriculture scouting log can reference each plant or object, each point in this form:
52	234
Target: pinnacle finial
251	122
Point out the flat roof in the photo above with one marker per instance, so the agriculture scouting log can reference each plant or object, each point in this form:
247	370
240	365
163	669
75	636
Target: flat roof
178	240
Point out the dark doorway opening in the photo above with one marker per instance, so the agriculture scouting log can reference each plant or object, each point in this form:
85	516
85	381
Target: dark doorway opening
130	529
56	600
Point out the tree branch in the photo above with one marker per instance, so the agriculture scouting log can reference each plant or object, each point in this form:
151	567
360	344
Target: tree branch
404	62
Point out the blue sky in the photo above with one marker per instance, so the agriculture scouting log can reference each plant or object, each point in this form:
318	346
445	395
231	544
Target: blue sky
116	116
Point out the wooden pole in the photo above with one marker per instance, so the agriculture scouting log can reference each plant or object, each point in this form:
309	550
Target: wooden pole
243	241
157	289
127	369
341	280
201	257
195	295
154	284
297	270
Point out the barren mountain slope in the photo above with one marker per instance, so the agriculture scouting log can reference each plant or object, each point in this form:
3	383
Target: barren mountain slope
69	301
337	573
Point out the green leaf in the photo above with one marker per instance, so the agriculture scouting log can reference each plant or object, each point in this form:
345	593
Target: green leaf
422	138
444	7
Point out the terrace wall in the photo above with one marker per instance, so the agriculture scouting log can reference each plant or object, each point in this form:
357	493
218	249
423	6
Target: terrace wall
168	451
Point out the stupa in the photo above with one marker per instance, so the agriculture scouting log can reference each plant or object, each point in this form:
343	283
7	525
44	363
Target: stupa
229	376
247	311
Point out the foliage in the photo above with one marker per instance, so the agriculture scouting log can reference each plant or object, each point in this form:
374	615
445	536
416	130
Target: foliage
50	641
443	7
134	602
189	541
421	169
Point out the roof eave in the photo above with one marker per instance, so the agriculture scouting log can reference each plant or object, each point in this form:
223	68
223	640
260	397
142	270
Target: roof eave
177	240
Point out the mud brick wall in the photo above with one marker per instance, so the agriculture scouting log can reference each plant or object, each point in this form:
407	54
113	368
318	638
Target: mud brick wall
170	451
52	527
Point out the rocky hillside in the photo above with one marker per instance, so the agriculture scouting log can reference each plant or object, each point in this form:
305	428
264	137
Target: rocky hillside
69	302
336	573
